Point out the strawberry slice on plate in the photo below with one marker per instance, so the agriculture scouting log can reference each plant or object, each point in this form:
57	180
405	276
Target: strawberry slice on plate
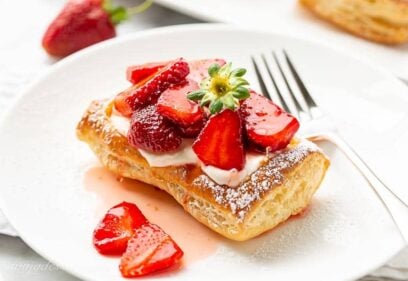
266	124
220	142
148	91
137	73
174	105
116	228
150	250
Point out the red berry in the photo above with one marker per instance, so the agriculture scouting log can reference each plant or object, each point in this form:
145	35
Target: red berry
121	105
80	24
220	142
174	105
150	250
266	124
199	68
193	130
147	92
151	131
137	73
116	228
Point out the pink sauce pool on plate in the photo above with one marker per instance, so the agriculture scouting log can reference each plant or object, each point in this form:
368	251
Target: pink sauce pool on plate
196	240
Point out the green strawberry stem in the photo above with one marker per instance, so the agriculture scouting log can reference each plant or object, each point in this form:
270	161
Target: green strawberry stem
120	14
224	88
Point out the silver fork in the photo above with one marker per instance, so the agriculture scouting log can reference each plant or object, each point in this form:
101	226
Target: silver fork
280	82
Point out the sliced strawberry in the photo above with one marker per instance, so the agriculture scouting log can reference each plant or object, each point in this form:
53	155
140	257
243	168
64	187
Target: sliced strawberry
137	73
121	105
116	228
174	105
151	131
199	68
193	130
150	250
148	91
266	124
220	142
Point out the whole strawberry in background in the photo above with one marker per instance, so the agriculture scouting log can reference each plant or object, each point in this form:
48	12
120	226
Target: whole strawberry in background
82	23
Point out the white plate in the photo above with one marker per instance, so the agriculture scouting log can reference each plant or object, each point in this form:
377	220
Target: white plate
345	234
288	17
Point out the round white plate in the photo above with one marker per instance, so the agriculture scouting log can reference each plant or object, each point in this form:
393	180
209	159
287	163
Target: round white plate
345	233
289	17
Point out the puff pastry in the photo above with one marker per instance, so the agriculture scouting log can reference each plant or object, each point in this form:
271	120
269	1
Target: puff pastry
282	186
384	21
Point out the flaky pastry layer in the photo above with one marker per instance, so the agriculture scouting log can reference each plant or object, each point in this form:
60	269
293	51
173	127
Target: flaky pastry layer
282	186
384	21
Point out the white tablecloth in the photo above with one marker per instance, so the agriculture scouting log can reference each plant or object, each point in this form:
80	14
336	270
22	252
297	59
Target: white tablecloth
21	60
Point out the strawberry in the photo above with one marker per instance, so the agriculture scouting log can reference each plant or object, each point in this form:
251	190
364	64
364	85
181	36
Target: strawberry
82	23
174	105
150	250
116	228
199	68
137	73
220	142
151	131
193	130
148	91
266	124
121	105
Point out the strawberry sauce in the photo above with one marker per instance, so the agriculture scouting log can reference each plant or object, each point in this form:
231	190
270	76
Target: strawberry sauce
196	240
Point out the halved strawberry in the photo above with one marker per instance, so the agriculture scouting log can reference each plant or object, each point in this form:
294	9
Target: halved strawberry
193	130
199	68
174	105
150	250
137	73
116	228
220	142
266	124
148	91
151	131
121	105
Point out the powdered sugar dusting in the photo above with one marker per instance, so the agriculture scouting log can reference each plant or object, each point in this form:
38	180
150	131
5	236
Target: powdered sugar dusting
239	199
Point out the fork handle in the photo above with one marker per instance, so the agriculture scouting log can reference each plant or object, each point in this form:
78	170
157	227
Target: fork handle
395	206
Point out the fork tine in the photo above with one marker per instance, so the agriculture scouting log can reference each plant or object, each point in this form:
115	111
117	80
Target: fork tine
267	85
272	77
279	96
264	90
308	98
301	112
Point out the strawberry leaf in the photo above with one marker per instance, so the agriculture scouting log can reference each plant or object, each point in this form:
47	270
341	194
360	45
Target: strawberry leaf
224	88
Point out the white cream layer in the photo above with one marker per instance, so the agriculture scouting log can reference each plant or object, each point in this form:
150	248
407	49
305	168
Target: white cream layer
185	155
234	177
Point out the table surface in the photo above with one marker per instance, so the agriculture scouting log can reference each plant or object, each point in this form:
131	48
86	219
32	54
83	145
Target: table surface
21	61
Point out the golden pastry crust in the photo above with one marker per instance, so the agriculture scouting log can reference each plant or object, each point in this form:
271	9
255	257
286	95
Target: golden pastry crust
281	187
384	21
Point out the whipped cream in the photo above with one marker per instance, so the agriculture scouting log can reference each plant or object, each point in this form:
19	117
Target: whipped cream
234	177
185	155
120	122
